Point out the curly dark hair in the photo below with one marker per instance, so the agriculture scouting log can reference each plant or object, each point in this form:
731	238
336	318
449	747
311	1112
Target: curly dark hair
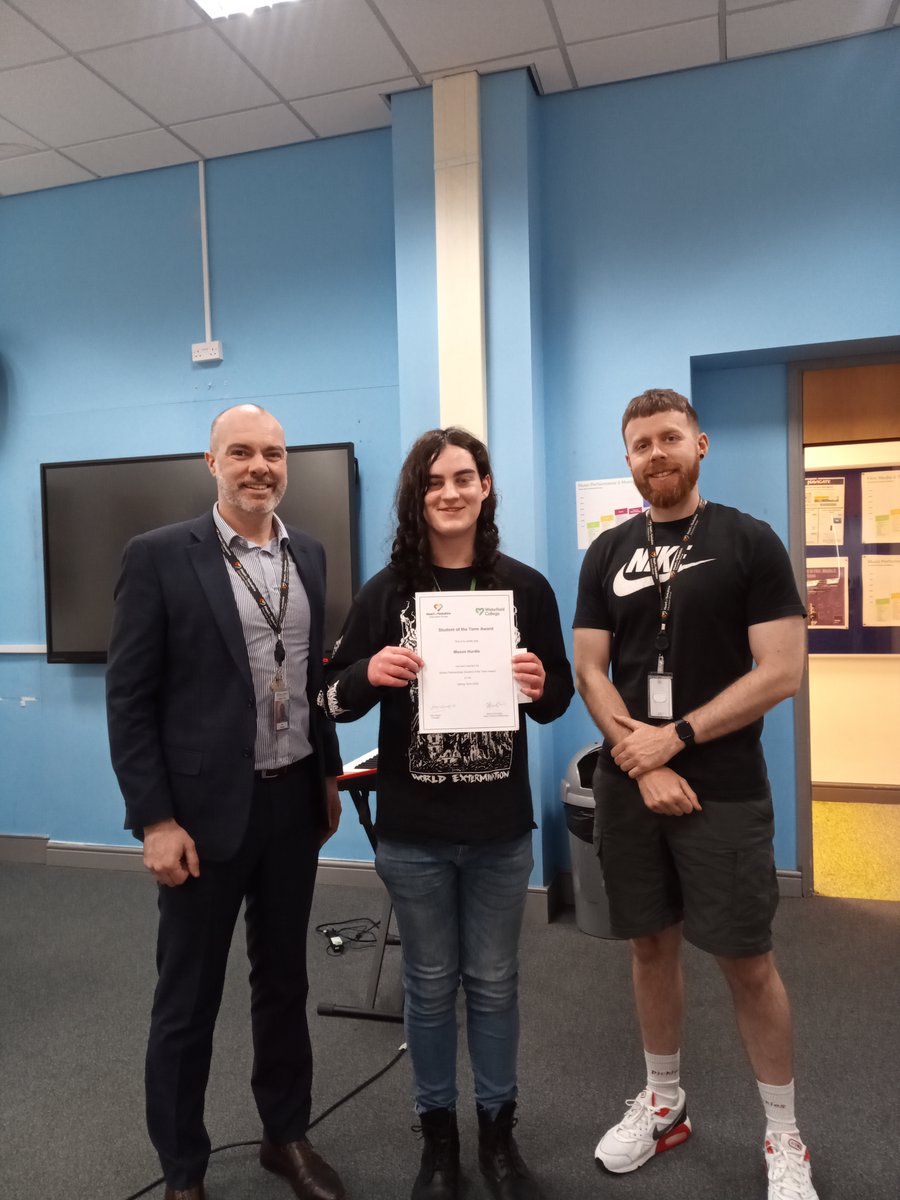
657	400
411	550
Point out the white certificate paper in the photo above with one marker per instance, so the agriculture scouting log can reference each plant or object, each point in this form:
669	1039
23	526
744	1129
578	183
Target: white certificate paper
466	640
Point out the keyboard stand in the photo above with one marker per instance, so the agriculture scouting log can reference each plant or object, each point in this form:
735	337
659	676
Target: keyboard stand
359	783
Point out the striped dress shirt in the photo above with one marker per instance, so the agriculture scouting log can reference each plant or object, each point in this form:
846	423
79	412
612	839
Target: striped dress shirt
274	748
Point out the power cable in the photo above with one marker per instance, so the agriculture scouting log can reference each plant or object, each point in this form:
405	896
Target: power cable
321	1117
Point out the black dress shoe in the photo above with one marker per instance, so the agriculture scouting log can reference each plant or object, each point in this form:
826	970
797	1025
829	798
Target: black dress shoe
197	1192
307	1172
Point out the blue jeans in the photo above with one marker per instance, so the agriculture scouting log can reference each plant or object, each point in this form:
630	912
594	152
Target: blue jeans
459	913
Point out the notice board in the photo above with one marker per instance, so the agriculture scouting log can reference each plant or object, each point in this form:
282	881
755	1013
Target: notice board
853	560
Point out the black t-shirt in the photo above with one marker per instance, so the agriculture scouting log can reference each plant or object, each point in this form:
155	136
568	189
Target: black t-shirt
449	787
735	573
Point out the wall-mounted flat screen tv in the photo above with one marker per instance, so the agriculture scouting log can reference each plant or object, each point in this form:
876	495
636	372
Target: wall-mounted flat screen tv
92	508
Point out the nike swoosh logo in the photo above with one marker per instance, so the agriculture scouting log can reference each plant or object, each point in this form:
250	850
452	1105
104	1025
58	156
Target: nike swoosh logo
623	586
661	1130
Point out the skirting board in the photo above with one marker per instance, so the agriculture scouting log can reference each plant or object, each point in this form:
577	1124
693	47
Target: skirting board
543	903
856	793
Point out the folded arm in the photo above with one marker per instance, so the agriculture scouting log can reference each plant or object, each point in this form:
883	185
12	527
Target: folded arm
662	789
779	651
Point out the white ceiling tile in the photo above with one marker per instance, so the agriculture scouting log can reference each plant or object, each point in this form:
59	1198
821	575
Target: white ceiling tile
316	47
549	64
20	42
585	20
16	149
799	22
257	129
182	76
650	52
134	152
437	35
732	5
351	111
10	134
36	171
85	24
62	102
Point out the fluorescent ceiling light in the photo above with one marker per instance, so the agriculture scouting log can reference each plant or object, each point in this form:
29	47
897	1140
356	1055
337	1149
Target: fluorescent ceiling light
231	8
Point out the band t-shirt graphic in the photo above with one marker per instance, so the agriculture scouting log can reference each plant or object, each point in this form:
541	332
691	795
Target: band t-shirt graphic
735	573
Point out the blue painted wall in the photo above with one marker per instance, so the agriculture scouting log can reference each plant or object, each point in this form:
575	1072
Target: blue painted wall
722	209
101	300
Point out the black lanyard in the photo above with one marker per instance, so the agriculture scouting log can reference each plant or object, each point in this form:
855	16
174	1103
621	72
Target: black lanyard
665	598
275	624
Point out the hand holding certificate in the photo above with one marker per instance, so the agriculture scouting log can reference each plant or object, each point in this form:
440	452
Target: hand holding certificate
466	640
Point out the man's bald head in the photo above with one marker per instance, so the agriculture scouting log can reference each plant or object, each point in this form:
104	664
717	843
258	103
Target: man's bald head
233	417
248	459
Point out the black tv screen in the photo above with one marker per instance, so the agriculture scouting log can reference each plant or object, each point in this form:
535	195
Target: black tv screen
92	508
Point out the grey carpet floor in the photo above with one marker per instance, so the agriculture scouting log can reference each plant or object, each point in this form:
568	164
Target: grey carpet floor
76	978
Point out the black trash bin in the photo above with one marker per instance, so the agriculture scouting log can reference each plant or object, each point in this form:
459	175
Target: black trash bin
591	907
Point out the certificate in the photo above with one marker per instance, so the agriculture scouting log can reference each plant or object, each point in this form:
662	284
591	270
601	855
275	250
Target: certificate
466	640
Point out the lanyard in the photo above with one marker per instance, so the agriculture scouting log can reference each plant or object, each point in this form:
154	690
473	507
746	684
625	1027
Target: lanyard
440	589
275	624
665	598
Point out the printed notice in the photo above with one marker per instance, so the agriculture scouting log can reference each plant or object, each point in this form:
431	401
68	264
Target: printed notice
825	510
881	506
826	593
602	504
881	590
467	641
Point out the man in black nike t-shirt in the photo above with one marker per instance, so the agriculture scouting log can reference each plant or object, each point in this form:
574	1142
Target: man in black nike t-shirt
680	602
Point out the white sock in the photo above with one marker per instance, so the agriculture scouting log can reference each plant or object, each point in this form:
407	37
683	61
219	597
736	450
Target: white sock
778	1101
663	1076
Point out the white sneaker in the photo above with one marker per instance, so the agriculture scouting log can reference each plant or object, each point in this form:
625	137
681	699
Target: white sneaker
645	1130
787	1161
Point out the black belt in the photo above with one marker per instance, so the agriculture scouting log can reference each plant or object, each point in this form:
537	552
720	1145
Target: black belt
280	772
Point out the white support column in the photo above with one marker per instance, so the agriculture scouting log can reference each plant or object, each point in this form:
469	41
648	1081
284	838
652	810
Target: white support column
460	256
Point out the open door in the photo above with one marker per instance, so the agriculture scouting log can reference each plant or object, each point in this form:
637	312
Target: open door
851	453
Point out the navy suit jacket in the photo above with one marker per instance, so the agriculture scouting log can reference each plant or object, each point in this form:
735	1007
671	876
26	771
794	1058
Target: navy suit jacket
181	705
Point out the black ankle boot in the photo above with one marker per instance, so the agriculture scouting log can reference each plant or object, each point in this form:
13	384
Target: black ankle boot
438	1177
499	1157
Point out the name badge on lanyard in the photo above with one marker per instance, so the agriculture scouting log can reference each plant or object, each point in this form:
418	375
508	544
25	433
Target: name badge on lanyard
281	697
661	683
659	696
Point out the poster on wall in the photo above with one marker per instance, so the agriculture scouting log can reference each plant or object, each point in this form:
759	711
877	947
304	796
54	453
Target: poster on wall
827	602
602	504
881	590
881	506
824	510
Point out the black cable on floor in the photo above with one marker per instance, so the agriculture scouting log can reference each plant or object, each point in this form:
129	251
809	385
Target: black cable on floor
357	932
321	1117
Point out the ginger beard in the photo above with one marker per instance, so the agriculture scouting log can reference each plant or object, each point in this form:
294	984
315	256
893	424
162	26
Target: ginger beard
665	485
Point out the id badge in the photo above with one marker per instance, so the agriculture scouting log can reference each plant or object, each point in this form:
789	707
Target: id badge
659	696
281	709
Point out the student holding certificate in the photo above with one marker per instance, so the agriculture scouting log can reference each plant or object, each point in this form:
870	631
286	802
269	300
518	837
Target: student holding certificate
454	816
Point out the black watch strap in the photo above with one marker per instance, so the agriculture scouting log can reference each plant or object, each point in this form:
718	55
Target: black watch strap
685	731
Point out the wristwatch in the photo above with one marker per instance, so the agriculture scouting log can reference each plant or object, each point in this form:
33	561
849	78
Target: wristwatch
685	731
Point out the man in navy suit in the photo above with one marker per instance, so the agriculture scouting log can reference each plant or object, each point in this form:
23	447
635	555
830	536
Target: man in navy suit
228	770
